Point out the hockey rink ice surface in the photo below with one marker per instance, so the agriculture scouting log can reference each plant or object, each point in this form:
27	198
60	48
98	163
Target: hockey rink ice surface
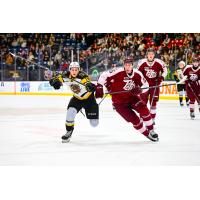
31	128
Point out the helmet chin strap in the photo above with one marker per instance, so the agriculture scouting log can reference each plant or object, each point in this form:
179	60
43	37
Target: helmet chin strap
195	67
150	62
130	74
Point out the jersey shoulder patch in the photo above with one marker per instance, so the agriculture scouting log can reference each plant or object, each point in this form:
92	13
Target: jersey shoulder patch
159	61
141	61
82	75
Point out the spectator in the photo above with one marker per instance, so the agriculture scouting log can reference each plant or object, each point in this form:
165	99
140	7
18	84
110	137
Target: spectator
9	59
31	56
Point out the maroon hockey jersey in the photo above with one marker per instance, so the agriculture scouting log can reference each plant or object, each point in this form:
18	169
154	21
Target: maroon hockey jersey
117	80
152	71
193	75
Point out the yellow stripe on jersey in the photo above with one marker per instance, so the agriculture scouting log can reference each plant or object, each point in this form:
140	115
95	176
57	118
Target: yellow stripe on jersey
84	97
60	78
85	80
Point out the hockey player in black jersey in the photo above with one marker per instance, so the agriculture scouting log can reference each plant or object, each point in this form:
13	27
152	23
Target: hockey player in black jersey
83	97
178	76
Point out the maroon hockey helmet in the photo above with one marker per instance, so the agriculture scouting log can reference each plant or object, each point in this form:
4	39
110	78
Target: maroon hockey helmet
128	59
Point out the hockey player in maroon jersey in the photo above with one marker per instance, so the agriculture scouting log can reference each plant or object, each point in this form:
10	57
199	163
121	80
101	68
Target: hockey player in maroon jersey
125	83
193	84
154	71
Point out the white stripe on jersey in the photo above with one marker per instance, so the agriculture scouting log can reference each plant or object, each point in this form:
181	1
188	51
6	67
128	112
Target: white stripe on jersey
143	80
109	73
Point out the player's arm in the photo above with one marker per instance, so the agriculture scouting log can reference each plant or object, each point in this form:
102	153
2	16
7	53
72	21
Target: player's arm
141	83
102	81
164	69
175	75
185	73
56	81
85	80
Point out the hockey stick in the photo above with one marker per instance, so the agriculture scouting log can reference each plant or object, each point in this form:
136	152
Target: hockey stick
126	91
103	98
155	86
154	92
34	63
42	67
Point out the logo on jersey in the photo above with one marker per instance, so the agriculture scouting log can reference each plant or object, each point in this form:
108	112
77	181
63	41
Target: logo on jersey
150	73
75	88
193	77
129	85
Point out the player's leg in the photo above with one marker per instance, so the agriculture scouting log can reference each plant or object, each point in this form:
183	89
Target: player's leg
74	107
186	96
142	109
130	116
144	96
192	102
154	97
180	92
198	94
92	111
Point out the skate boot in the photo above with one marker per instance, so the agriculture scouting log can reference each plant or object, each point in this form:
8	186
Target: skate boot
188	104
153	136
192	115
67	136
181	104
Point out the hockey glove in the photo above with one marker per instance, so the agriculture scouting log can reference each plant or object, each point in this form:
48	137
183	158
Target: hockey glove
176	78
90	87
99	91
136	91
160	79
54	82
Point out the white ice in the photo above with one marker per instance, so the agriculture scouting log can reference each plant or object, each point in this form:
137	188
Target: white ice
31	128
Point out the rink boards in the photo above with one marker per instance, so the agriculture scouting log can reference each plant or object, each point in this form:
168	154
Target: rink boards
43	88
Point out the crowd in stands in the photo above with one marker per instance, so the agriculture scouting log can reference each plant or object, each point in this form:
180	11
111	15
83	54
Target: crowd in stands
95	51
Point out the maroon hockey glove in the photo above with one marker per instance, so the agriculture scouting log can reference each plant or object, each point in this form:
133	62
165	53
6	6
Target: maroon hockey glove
160	80
136	91
99	91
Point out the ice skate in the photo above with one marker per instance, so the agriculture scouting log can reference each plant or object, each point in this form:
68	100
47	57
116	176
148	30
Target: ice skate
192	115
153	136
181	104
66	138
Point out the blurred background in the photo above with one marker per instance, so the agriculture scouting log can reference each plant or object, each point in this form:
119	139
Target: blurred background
96	52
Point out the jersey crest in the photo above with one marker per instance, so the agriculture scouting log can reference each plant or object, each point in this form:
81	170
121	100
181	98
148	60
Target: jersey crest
129	85
193	77
150	73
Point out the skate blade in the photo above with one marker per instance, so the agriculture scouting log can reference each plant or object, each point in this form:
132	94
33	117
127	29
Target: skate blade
66	141
155	140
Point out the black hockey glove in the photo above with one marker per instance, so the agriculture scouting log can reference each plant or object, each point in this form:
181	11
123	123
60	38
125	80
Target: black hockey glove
176	78
54	82
90	87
